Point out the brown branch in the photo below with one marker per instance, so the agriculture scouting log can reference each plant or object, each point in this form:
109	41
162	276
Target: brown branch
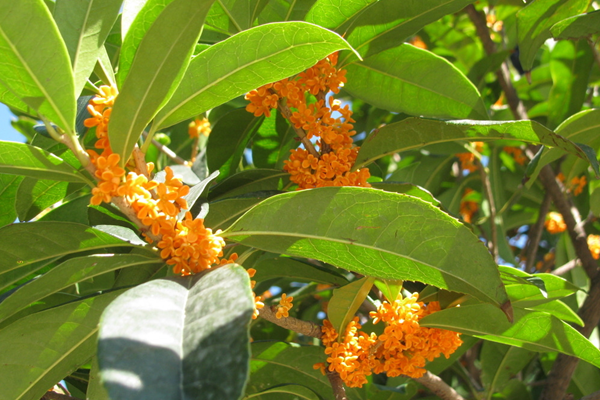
337	385
287	113
297	325
440	388
563	269
140	161
564	366
535	234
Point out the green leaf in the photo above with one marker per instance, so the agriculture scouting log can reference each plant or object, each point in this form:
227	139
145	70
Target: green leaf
34	196
577	27
249	181
583	127
70	272
224	212
23	159
559	310
228	140
9	184
570	64
246	61
532	330
499	363
407	188
84	26
290	268
415	81
8	97
535	20
28	39
159	64
384	24
96	390
295	390
138	17
414	133
176	338
69	331
232	16
524	293
390	288
46	240
273	142
345	302
75	210
332	14
406	238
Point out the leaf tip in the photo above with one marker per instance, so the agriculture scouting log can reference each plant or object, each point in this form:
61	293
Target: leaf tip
507	309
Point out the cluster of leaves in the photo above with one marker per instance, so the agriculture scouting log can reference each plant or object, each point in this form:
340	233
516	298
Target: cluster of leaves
67	264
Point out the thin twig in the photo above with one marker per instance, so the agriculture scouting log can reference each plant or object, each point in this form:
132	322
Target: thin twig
297	325
535	234
167	151
563	269
438	387
287	113
339	392
485	181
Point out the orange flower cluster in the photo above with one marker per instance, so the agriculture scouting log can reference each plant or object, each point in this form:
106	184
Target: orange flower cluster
337	155
593	242
546	263
402	349
468	207
577	185
555	223
186	243
517	154
199	126
467	160
108	172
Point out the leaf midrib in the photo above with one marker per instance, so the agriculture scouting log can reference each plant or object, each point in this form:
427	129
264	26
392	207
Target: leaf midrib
355	244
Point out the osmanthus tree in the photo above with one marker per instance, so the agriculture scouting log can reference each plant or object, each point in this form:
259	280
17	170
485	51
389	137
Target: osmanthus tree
309	199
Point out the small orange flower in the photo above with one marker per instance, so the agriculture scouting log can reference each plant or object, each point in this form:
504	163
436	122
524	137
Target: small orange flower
577	185
199	127
285	304
593	242
468	207
555	223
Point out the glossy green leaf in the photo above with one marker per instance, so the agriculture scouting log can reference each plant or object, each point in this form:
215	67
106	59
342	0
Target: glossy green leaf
23	159
14	276
104	69
96	389
247	61
415	81
138	17
499	363
390	288
570	64
587	378
46	240
532	330
345	302
9	184
535	20
176	338
384	24
413	133
559	310
34	196
578	26
332	14
228	140
69	330
224	212
405	238
84	26
523	293
75	210
595	202
290	268
70	272
159	64
8	97
583	127
294	390
28	39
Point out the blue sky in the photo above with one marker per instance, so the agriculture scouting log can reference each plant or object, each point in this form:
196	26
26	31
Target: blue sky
7	132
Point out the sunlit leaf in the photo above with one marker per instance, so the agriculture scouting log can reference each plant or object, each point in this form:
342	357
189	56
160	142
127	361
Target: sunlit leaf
345	302
577	26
